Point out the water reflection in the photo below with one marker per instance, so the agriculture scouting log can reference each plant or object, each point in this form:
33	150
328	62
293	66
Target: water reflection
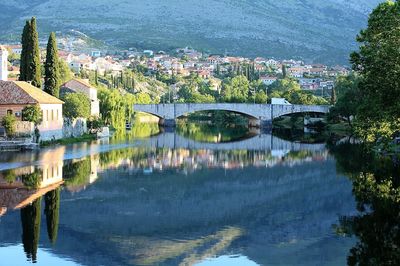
160	200
376	182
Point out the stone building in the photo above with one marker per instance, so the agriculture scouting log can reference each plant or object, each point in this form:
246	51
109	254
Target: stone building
82	86
16	95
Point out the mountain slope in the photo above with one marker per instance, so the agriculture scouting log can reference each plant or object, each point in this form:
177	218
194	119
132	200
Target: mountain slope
315	30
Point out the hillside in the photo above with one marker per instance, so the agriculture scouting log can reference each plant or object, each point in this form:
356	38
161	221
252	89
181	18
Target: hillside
314	30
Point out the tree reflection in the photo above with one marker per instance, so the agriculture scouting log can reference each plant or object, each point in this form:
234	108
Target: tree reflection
77	173
30	219
52	210
377	191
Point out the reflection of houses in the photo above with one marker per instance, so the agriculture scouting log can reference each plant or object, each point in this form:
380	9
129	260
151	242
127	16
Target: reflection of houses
83	86
49	173
16	95
16	195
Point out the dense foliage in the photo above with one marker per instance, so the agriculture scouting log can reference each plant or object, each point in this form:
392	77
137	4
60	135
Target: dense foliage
348	100
377	62
290	90
76	105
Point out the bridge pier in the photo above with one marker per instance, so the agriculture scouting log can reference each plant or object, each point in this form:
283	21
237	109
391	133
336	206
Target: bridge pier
266	124
254	122
167	123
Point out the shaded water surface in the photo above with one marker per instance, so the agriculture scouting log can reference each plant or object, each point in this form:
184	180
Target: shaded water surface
174	200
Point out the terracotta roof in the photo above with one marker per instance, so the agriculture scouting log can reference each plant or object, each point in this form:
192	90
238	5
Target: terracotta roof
77	84
21	92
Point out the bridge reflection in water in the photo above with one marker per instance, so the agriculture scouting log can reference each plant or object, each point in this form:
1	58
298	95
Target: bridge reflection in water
262	142
219	205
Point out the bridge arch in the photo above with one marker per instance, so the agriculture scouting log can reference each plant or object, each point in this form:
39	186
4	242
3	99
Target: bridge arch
281	110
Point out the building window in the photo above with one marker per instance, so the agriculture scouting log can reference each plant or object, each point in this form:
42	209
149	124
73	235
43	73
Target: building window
52	115
9	112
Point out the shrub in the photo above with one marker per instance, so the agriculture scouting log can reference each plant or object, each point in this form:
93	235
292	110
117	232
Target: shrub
32	113
8	123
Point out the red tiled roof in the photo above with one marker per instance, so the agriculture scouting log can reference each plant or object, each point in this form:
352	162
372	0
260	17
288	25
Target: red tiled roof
20	92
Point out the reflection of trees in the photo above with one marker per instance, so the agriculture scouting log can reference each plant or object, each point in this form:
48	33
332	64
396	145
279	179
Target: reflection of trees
30	219
52	210
211	133
139	130
376	187
294	134
9	176
32	180
76	174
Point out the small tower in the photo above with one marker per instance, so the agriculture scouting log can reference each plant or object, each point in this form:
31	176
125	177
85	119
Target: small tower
3	63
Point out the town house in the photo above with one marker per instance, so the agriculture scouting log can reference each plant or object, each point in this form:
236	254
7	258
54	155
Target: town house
16	95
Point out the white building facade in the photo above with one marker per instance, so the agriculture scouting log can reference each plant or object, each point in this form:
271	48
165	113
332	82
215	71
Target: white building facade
3	63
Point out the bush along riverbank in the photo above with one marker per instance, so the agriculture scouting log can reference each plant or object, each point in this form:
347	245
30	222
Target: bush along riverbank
64	141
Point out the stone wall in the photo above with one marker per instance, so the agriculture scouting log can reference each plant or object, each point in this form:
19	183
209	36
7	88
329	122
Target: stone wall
24	128
74	128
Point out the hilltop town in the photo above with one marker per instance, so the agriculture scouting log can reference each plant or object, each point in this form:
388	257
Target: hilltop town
186	61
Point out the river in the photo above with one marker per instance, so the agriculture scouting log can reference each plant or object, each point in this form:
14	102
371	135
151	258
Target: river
177	199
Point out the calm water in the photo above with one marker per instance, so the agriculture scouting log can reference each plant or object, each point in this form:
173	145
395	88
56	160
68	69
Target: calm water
174	200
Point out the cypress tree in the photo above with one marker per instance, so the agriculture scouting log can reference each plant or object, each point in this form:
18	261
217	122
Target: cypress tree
333	96
51	68
284	74
25	51
96	77
33	59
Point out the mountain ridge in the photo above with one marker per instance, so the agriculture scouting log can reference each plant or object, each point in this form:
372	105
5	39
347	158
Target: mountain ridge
312	30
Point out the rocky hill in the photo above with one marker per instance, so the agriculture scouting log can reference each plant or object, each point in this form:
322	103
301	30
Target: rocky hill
314	30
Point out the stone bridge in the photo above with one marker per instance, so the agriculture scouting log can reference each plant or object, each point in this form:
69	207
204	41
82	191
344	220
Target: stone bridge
260	115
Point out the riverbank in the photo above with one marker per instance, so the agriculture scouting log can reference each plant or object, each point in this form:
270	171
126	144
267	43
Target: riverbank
64	141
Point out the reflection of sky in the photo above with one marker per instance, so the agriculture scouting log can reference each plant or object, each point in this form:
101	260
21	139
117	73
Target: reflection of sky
15	253
228	260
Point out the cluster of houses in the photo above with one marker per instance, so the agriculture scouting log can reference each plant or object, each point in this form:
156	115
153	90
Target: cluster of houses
187	61
16	95
183	61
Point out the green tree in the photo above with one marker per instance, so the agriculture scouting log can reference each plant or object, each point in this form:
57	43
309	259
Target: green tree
32	113
236	89
348	100
9	124
76	105
52	68
30	55
25	51
284	71
261	97
65	71
377	62
333	96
